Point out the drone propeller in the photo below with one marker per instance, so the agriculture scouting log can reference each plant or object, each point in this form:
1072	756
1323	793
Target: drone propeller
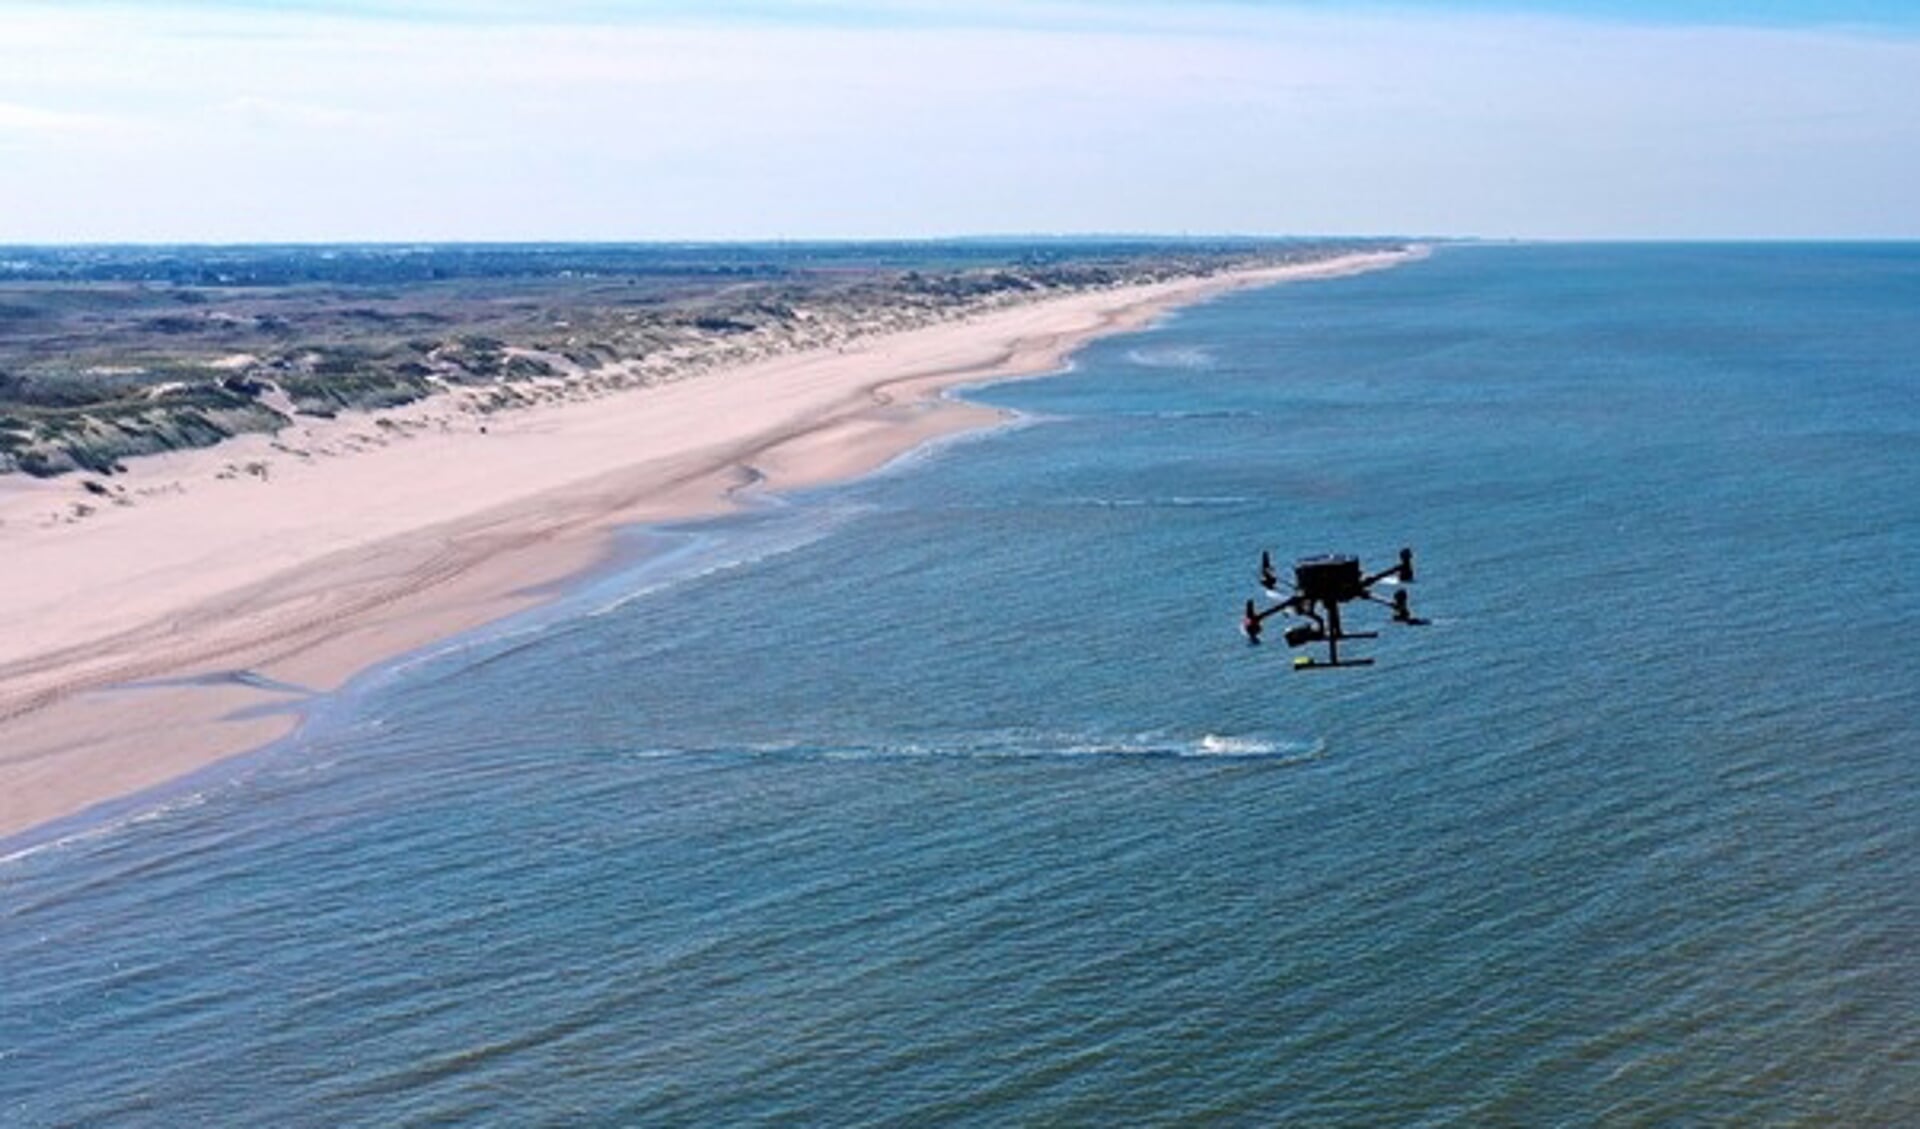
1268	579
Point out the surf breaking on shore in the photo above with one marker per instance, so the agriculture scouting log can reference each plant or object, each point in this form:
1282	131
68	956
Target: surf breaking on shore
117	632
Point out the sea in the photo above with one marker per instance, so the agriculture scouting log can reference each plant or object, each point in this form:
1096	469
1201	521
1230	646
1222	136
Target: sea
954	796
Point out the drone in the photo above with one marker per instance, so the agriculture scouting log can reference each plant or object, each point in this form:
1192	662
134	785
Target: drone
1320	585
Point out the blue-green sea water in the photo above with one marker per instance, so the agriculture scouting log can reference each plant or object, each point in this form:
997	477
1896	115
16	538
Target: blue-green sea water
954	797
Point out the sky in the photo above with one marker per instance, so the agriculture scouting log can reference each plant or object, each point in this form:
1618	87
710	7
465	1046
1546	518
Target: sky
416	120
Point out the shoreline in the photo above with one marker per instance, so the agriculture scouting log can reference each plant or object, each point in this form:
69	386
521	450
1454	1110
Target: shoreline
154	640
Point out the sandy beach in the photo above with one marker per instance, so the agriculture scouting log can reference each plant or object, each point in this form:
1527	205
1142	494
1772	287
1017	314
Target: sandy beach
150	633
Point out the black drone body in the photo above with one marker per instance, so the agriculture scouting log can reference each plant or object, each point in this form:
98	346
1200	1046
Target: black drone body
1320	585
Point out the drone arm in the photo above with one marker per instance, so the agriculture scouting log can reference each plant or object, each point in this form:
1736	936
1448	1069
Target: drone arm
1401	571
1290	606
1402	613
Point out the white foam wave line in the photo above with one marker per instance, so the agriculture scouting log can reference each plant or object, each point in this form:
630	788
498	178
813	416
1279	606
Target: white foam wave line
1067	366
1206	746
1171	357
1174	502
548	618
92	831
753	554
915	458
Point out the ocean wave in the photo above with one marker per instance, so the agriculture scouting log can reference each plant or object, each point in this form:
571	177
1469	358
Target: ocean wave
1018	744
106	820
1171	356
1172	502
1185	414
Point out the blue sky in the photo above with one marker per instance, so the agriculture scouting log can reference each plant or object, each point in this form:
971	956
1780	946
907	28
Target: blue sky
225	120
1890	13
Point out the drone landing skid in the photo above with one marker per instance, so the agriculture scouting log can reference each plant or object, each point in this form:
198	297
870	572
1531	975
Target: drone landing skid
1308	662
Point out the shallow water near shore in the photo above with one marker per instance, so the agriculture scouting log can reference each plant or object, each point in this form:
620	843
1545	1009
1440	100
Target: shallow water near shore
953	796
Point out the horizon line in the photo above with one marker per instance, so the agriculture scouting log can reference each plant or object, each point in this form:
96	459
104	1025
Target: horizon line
932	240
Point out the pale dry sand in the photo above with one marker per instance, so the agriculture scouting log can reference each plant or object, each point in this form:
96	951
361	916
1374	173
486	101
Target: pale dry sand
313	555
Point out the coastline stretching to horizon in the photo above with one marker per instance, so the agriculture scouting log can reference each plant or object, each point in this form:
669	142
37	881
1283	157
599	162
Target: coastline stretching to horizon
151	641
950	793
